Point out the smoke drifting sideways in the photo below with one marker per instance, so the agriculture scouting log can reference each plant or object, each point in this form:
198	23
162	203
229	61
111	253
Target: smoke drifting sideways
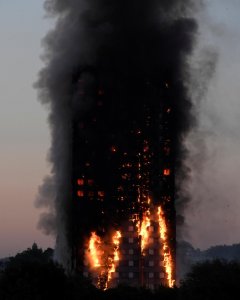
118	41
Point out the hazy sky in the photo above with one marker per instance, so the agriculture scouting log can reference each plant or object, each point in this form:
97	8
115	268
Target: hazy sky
24	134
213	215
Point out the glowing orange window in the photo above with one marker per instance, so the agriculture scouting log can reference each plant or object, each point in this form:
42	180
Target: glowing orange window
101	194
166	172
80	181
80	194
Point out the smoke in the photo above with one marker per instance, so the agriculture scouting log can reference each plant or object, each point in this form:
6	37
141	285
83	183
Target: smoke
214	146
120	42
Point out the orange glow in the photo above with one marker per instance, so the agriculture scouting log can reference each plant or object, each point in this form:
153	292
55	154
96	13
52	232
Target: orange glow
143	231
80	181
116	243
94	251
168	263
114	149
113	260
101	194
102	257
166	172
80	194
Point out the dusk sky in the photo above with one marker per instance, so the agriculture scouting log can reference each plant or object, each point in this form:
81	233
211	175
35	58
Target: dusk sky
213	216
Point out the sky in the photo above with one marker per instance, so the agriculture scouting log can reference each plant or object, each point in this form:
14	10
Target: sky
24	133
213	214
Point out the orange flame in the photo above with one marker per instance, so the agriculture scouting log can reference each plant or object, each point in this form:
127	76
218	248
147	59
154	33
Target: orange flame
168	264
104	265
94	253
115	258
143	231
166	172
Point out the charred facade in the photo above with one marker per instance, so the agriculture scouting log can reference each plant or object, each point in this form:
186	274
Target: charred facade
123	172
116	84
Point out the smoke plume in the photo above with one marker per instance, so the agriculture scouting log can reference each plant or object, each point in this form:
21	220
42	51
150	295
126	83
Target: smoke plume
122	43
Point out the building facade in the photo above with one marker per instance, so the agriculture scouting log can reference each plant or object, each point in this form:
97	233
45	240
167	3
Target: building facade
123	216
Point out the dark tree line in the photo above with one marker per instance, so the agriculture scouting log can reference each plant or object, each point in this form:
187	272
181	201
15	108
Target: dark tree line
33	275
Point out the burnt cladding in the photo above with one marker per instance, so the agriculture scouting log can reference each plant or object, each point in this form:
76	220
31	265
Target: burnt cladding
122	152
125	143
116	83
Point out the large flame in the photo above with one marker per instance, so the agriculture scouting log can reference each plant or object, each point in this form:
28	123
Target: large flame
113	260
94	250
103	263
143	226
116	242
168	262
103	257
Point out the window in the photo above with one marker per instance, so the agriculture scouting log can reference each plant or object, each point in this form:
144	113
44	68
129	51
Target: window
151	263
130	275
166	172
131	263
151	286
91	194
80	181
151	240
130	228
116	275
101	194
130	240
151	275
80	194
161	263
151	229
130	251
162	275
85	274
151	251
90	182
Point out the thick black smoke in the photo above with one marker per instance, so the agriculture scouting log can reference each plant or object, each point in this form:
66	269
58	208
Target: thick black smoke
118	42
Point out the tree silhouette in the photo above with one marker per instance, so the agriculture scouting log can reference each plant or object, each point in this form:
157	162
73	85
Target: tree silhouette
32	275
212	280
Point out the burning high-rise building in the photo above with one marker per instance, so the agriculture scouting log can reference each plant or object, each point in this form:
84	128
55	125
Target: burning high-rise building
115	80
123	182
